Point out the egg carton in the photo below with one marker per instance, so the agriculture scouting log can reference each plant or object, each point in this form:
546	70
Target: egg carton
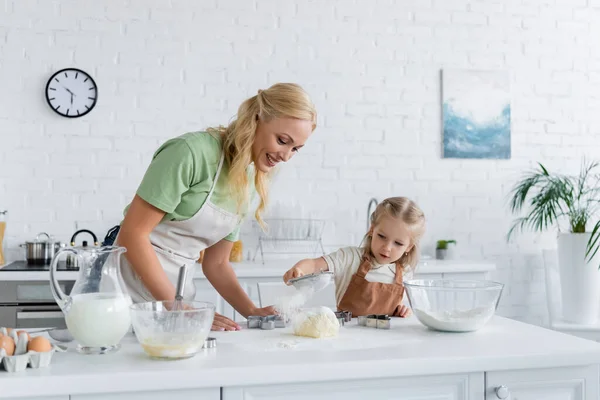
21	359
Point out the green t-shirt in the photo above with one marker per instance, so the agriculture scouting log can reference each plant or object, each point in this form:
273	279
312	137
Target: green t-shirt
181	174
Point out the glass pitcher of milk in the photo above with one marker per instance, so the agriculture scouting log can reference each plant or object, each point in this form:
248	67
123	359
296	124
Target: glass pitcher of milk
97	310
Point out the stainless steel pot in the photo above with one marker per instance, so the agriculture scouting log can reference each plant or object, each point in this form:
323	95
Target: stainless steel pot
41	252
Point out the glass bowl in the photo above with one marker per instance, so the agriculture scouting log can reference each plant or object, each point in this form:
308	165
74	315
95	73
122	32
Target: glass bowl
167	334
453	305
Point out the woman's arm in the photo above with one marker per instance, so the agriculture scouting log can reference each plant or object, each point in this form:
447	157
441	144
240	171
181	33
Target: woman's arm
140	220
218	271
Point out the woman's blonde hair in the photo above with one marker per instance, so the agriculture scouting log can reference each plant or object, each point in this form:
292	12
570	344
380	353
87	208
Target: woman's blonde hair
408	212
279	101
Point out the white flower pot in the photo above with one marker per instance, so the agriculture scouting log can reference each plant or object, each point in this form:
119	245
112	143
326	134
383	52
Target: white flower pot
579	281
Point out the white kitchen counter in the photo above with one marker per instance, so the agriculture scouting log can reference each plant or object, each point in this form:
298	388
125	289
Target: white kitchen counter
248	269
251	358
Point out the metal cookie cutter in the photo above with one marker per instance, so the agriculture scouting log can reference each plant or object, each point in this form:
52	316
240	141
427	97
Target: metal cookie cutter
378	321
343	316
267	323
210	343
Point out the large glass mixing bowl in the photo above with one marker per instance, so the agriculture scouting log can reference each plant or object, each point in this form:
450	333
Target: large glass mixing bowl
168	334
453	305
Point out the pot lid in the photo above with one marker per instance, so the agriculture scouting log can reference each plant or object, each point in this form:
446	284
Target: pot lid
48	239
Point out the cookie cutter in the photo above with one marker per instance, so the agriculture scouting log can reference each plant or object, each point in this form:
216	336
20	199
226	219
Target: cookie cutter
210	343
267	323
377	321
343	317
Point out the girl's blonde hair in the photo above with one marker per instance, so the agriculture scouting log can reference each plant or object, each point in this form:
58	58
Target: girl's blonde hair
279	101
408	212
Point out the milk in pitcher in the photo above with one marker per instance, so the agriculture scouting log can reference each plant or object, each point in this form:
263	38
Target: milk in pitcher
99	319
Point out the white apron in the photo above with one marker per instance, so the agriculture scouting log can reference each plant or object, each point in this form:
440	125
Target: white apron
180	242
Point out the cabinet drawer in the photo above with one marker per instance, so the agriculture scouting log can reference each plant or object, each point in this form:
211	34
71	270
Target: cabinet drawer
570	383
197	394
446	387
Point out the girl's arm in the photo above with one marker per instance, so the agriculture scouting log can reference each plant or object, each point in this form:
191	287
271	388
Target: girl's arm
306	267
134	235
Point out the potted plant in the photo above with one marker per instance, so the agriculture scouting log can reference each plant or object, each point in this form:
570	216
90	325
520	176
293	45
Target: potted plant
442	247
569	202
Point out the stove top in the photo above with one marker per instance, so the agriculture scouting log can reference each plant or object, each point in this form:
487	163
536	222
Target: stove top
23	266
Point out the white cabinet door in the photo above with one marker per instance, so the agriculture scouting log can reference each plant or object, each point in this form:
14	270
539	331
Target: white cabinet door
65	397
196	394
571	383
445	387
205	292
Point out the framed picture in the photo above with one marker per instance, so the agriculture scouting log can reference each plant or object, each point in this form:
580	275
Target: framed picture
476	114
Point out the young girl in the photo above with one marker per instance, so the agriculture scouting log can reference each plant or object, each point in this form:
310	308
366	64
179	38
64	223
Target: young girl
368	279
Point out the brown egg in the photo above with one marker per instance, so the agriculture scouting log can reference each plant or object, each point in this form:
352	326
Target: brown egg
39	344
8	344
25	332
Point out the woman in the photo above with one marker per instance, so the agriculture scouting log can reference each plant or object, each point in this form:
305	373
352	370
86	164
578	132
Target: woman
195	194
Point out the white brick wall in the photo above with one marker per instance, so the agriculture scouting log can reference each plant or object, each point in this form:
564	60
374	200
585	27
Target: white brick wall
372	67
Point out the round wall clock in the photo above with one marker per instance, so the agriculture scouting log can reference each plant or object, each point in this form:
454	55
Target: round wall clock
71	92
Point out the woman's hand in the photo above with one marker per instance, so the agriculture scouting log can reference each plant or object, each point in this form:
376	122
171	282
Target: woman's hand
222	323
263	312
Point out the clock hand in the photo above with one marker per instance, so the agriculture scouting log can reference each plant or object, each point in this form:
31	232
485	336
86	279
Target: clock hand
71	98
67	89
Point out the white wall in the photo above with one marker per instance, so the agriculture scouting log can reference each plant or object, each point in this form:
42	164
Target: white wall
372	68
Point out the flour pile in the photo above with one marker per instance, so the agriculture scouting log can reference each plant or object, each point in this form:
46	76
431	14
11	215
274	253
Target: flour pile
456	320
290	306
319	322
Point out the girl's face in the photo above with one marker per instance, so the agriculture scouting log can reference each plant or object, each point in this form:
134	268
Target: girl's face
278	140
390	240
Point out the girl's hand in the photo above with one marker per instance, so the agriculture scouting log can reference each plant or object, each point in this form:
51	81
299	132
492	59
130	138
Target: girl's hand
294	272
222	323
404	312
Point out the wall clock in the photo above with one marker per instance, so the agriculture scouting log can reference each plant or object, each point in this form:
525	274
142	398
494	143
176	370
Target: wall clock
71	93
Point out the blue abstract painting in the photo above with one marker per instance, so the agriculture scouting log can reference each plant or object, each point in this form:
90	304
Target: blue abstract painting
476	114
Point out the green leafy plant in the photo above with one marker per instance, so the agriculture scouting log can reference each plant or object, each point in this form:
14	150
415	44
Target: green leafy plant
553	198
443	244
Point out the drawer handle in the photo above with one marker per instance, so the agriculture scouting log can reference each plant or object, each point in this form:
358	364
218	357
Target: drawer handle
502	392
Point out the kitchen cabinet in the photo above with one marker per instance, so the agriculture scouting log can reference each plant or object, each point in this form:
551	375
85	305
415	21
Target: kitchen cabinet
446	387
196	394
572	383
65	397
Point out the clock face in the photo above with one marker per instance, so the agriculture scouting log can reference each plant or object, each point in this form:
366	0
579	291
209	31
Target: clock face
71	93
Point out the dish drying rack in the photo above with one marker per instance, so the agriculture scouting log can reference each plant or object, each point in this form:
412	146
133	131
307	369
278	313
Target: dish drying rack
290	236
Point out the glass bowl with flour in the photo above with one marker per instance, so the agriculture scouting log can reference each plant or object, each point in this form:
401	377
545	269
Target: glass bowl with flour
453	305
165	333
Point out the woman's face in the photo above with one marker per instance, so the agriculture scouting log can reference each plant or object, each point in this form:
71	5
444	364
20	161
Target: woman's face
278	140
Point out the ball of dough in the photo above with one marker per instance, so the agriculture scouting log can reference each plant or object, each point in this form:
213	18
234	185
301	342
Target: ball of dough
317	323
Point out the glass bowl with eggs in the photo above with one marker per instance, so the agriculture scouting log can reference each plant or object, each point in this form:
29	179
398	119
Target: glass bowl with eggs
19	350
167	333
453	305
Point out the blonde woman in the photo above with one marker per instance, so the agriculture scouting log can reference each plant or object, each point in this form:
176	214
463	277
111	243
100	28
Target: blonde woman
368	279
196	192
